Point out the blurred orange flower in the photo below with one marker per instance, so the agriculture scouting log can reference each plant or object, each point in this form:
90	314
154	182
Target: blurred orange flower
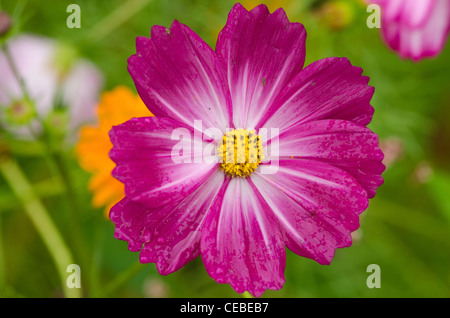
94	143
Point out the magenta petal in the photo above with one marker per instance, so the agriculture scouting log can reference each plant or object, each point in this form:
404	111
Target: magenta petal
415	28
330	88
262	52
142	151
340	143
418	12
428	40
316	205
241	243
179	76
177	228
132	223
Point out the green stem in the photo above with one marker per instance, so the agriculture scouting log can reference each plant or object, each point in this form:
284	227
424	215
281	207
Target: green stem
58	166
122	278
69	190
57	162
116	18
15	71
96	262
40	218
2	258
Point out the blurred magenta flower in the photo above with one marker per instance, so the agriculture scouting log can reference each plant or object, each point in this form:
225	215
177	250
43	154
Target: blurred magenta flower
415	28
238	218
52	77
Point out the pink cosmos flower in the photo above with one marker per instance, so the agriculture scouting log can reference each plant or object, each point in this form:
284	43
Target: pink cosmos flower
415	28
329	162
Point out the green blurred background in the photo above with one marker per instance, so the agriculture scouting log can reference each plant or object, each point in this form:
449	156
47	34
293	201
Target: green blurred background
406	229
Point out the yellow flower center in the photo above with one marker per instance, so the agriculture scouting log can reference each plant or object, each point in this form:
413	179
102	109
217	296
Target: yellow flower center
240	152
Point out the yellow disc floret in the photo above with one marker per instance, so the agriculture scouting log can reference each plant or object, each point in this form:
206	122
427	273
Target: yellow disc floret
240	152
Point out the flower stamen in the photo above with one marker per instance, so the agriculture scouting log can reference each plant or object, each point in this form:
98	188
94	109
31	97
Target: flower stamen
240	153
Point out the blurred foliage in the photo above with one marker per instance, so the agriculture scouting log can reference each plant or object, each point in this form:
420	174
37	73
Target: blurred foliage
406	229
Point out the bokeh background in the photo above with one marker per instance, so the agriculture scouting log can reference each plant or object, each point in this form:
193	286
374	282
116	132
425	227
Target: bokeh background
406	229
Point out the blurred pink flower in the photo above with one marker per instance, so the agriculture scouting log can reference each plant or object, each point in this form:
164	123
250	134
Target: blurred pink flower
76	85
392	149
415	28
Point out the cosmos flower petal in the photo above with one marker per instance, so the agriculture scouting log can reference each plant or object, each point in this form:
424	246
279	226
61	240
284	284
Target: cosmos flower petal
133	223
316	205
177	228
427	41
415	28
179	76
343	144
241	243
262	53
418	12
330	88
142	150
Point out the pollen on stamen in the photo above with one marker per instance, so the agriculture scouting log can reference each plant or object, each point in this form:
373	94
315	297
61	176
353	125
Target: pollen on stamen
240	153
